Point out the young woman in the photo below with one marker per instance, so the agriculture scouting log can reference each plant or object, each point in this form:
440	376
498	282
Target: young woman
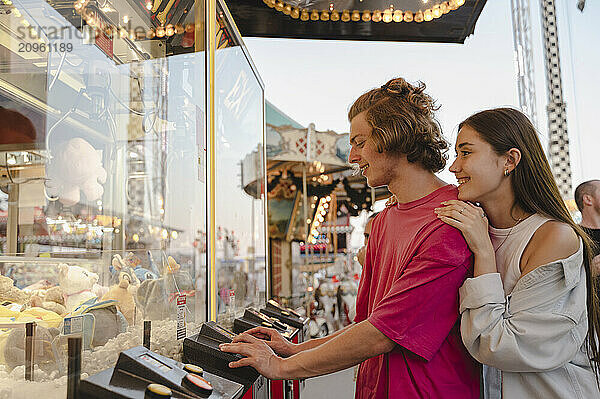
530	314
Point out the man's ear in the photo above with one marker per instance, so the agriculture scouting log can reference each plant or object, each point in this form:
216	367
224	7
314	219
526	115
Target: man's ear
587	199
513	157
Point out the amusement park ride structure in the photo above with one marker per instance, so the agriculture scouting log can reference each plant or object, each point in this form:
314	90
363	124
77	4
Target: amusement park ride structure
558	138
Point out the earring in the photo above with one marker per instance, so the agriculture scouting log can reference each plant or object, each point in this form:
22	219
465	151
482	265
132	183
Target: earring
506	172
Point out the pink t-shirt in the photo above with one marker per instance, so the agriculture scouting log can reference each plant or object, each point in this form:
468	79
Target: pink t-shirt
409	291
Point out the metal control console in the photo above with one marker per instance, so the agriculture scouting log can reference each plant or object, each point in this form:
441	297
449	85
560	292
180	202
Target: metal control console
289	317
203	350
253	318
138	368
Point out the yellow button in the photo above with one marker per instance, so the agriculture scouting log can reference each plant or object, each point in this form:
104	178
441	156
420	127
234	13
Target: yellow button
158	391
192	368
264	323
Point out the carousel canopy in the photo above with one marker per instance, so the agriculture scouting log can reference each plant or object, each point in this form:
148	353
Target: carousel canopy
378	20
277	117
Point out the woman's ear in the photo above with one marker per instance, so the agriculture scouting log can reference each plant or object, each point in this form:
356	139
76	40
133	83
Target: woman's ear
513	157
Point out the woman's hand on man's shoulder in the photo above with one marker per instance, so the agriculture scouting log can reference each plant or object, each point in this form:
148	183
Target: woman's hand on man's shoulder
553	241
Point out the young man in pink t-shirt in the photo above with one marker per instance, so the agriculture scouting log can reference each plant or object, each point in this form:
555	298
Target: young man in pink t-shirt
406	333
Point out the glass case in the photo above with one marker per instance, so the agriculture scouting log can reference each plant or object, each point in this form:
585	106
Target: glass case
239	195
110	208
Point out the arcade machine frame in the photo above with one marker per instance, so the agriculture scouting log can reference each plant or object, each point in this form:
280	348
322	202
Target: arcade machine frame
213	33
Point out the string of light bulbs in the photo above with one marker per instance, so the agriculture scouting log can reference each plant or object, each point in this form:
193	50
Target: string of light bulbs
388	15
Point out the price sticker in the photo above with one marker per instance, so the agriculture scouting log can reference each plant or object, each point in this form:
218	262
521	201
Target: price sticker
181	322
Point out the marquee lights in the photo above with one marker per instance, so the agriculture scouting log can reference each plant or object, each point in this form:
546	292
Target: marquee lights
97	22
388	15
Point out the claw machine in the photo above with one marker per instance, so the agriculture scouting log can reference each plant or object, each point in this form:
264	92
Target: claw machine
124	126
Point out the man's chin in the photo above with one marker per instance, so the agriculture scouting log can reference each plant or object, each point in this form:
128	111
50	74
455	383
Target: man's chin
375	184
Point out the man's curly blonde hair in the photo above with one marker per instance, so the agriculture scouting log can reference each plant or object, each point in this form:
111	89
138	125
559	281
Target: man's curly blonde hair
402	118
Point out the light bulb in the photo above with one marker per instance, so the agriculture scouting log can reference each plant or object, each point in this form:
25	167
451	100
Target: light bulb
376	16
387	16
427	16
419	16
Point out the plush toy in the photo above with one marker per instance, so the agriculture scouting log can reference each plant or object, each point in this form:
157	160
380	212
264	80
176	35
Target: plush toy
144	274
76	284
119	266
76	168
123	293
172	266
42	317
140	271
12	346
132	260
40	285
157	298
12	335
109	323
10	293
102	321
51	299
99	290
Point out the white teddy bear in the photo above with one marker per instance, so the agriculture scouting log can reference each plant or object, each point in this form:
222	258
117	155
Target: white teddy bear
77	167
76	283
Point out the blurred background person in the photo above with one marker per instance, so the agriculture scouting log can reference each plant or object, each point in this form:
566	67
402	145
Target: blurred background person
587	198
363	250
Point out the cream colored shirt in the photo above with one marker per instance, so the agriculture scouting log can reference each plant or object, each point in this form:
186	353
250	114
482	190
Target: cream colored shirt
532	340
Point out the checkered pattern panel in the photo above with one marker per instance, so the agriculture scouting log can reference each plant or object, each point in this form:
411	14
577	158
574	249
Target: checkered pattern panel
558	151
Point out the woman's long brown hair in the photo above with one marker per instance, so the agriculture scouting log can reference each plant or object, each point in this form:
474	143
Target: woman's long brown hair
536	192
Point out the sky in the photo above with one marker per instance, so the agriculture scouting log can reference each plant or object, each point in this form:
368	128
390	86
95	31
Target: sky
315	81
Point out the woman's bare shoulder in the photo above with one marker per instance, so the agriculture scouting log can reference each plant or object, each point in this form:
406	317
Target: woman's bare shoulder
553	241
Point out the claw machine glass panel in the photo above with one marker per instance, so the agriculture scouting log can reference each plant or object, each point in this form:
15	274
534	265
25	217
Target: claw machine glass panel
239	198
102	179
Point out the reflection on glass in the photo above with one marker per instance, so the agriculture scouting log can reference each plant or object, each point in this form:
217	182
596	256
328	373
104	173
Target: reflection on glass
239	196
102	157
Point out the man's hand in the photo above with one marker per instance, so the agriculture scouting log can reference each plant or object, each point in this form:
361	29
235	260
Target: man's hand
257	355
596	266
273	338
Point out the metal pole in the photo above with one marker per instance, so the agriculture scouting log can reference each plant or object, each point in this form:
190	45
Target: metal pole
74	367
147	333
12	226
29	347
211	34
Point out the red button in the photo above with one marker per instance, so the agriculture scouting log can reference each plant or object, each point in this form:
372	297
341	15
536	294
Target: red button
198	383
